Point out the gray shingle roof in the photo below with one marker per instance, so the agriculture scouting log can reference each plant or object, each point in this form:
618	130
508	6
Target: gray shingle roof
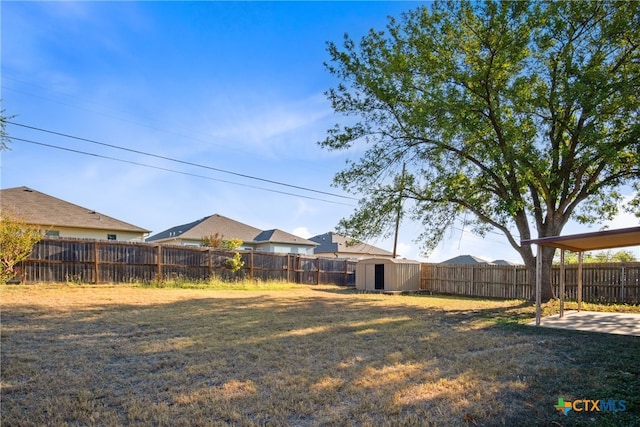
228	229
503	262
207	226
466	259
334	243
36	208
279	236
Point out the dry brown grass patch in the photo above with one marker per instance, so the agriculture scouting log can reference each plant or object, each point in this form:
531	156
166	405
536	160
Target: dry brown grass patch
118	355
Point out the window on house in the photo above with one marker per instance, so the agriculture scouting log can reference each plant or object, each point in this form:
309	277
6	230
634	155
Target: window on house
52	233
111	237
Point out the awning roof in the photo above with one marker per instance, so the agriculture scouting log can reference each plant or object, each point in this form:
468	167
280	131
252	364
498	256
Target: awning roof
606	239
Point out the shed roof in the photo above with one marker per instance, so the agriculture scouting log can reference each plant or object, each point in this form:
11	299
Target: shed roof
605	239
382	260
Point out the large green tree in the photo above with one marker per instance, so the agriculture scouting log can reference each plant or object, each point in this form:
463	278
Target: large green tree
512	116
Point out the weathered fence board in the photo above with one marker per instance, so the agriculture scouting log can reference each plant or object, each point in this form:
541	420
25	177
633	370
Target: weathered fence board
602	282
90	261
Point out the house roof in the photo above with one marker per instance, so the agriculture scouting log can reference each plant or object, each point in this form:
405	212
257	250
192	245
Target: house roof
466	259
36	208
279	236
335	243
228	229
503	262
207	226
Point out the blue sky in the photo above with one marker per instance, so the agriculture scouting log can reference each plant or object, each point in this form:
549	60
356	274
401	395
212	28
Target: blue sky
237	86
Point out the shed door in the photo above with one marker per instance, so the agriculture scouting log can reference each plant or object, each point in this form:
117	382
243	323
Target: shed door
379	276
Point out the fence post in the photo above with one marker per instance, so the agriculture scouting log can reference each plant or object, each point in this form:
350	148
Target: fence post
580	260
623	281
210	262
96	269
23	274
251	265
159	272
346	265
318	268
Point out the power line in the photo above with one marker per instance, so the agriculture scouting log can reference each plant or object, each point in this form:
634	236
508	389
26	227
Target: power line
131	150
13	138
111	116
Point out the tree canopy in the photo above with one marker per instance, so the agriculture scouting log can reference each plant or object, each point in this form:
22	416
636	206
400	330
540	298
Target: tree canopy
511	116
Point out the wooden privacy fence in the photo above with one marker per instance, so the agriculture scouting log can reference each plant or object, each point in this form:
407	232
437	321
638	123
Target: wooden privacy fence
91	261
601	282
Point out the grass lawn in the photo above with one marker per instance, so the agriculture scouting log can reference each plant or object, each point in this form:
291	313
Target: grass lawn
297	355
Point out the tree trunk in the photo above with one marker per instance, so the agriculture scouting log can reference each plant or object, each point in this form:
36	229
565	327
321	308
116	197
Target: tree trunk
547	262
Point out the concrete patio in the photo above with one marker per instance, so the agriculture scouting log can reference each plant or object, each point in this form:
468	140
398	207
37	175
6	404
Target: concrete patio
591	321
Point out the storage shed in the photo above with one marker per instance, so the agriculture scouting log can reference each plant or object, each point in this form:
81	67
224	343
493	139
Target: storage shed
384	274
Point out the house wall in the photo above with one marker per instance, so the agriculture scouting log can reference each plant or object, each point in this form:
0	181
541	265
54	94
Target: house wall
284	249
82	233
349	255
267	247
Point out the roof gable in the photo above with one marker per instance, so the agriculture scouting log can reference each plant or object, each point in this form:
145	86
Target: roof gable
227	228
36	208
279	236
335	243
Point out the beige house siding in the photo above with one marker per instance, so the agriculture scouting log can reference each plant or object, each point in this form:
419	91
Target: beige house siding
79	233
283	248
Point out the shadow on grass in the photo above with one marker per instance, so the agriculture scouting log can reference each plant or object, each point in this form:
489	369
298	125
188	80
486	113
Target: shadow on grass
304	361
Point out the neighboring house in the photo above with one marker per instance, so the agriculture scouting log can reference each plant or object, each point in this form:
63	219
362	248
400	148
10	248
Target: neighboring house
467	259
504	262
253	239
335	245
58	218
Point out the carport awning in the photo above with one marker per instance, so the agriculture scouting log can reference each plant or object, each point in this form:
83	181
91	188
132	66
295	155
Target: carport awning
606	239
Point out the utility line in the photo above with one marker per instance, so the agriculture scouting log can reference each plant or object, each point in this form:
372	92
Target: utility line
109	115
131	150
13	138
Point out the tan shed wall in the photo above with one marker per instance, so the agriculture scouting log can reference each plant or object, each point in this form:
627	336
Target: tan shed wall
397	276
402	277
